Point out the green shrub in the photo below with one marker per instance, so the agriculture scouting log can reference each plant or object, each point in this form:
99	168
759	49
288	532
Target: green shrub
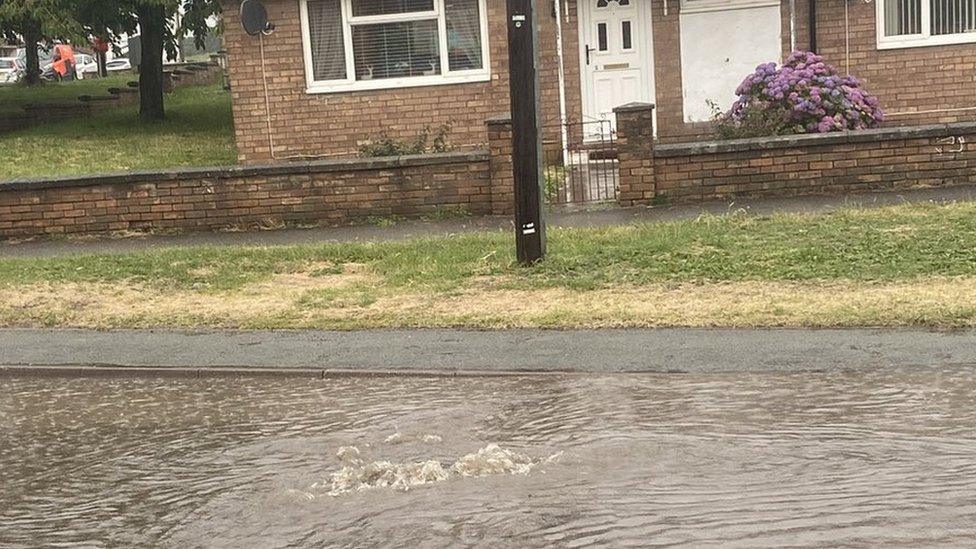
426	142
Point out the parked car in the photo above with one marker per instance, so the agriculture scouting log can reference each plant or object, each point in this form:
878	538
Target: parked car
8	67
121	64
44	56
85	64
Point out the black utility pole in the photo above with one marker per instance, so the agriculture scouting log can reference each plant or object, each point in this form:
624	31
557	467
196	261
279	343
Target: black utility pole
530	231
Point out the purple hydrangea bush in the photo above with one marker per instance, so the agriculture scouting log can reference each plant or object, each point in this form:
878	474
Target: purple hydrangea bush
804	95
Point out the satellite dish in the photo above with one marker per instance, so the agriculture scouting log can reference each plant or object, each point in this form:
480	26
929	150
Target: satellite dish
254	18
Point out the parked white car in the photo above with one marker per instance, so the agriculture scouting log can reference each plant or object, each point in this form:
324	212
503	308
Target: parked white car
120	64
85	64
8	70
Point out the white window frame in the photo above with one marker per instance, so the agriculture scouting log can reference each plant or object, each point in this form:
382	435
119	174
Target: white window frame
351	84
925	38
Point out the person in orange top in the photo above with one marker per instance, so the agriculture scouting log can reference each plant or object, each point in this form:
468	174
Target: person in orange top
64	61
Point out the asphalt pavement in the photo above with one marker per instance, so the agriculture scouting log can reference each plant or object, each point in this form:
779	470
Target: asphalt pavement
454	352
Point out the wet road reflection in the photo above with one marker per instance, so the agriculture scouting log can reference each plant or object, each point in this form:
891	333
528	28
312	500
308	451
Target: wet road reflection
861	458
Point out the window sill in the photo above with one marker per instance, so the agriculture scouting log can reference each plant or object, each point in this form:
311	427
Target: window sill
922	42
396	83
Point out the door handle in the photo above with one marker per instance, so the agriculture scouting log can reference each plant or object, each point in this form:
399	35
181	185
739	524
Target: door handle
588	50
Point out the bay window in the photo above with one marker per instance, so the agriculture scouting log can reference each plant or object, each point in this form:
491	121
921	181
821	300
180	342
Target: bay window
374	44
907	23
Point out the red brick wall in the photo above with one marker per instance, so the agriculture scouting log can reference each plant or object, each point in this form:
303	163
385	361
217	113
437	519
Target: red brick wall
336	124
635	143
549	67
816	164
907	80
334	191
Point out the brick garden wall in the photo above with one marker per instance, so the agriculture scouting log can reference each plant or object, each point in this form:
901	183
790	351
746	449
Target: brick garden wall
334	191
835	163
481	182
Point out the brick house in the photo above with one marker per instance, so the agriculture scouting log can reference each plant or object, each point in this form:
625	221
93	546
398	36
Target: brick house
335	73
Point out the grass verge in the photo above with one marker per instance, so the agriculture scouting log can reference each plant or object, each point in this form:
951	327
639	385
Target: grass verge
198	131
909	265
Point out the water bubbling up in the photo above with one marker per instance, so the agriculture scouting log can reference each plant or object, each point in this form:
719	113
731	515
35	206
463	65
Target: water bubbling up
357	474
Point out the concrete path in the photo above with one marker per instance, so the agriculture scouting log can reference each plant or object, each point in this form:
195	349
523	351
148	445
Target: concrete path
452	352
411	229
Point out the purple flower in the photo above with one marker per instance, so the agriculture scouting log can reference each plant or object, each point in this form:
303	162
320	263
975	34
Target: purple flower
803	95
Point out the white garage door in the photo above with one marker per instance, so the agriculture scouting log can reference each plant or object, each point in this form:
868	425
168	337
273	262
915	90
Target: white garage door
722	41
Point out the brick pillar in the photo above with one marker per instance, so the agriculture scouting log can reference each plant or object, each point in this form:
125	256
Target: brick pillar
635	148
500	165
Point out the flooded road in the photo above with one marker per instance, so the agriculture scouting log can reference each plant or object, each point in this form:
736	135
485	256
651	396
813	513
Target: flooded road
859	458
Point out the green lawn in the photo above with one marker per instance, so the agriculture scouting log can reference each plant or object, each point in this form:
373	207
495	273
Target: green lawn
894	266
198	131
13	98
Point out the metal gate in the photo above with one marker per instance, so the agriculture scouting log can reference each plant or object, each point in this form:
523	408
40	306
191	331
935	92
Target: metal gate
588	170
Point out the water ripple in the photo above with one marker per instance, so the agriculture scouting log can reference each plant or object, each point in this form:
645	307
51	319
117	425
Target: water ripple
853	459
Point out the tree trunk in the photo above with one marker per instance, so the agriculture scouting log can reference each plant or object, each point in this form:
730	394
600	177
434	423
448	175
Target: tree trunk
152	22
102	59
32	38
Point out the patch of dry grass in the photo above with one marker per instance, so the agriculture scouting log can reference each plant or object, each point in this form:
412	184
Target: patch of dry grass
356	300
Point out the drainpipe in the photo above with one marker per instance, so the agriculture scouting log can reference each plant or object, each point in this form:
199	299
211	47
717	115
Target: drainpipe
813	26
562	82
792	26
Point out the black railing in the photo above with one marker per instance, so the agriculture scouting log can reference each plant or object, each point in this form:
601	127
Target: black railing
587	170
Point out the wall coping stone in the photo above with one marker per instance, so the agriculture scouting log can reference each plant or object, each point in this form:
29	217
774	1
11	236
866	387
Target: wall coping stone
813	140
233	172
634	106
499	120
97	98
53	105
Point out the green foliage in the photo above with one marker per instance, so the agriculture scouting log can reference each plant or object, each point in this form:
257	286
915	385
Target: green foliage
426	142
54	18
755	121
555	180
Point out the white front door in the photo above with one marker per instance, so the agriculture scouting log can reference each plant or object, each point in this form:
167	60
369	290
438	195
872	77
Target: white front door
616	57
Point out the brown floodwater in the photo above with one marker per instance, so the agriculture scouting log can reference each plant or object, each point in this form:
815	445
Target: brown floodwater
859	458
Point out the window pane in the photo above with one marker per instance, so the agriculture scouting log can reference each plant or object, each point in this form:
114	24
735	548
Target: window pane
601	36
463	34
625	34
396	50
386	7
328	50
902	17
953	16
